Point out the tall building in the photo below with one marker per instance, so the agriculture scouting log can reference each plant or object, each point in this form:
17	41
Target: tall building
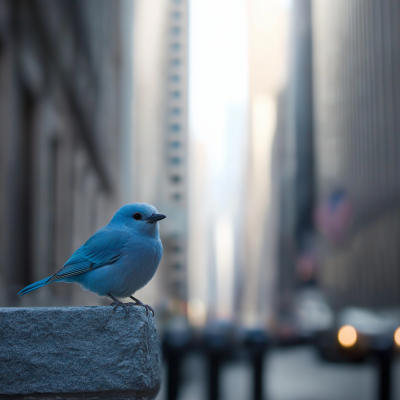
293	163
64	131
268	73
357	144
160	139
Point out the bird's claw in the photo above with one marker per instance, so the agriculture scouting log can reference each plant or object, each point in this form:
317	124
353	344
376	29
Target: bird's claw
120	304
140	305
149	308
146	306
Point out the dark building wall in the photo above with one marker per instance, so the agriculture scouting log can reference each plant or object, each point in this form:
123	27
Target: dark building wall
357	143
302	92
61	66
293	158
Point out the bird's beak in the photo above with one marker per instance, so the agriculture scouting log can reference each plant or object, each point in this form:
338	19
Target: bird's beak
155	217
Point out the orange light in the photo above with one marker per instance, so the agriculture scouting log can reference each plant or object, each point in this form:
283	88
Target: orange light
347	336
397	337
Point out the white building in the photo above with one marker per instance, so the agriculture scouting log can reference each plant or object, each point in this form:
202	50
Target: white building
160	137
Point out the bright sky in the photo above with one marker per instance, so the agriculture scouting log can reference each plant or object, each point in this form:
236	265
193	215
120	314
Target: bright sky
218	130
218	67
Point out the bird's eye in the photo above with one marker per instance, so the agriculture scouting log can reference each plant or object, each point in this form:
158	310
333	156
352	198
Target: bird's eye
137	216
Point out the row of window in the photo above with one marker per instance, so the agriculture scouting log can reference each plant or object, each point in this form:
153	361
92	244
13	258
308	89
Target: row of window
178	286
175	111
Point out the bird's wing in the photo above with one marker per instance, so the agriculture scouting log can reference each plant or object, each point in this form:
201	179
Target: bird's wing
104	247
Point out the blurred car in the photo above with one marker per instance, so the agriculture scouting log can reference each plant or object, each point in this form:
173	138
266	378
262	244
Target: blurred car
309	316
312	313
358	333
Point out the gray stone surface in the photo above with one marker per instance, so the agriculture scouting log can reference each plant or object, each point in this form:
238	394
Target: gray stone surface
73	352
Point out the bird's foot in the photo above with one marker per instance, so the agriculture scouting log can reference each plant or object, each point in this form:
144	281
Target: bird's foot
116	303
120	304
139	303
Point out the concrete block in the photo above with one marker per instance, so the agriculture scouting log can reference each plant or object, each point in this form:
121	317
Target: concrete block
78	352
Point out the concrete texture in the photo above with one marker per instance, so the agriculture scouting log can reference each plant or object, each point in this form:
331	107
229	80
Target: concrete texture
78	352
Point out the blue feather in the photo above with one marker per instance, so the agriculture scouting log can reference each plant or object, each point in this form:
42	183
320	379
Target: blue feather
103	248
34	286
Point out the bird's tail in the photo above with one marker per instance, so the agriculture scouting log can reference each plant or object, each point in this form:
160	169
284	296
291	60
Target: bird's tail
34	286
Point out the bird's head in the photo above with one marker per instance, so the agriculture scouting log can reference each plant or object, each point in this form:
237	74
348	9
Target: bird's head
140	217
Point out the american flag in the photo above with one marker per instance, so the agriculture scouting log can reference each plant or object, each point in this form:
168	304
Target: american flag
334	215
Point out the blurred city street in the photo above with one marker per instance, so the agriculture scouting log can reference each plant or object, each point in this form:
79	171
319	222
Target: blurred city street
293	373
266	132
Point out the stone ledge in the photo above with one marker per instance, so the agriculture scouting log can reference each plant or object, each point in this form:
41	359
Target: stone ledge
78	352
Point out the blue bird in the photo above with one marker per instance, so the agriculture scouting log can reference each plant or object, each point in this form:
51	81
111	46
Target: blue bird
118	259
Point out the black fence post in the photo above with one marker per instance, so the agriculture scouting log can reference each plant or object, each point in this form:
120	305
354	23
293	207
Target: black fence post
173	376
256	341
219	345
383	351
385	375
258	375
175	345
214	372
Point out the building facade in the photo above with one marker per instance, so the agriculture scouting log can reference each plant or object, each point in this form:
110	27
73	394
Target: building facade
64	131
357	144
292	169
268	52
161	132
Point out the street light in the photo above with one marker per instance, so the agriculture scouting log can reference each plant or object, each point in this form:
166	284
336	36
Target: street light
347	336
397	337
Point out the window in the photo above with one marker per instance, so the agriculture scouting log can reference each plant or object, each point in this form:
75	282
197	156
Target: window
176	196
176	94
175	144
178	287
175	160
175	78
176	30
175	46
175	179
175	128
176	15
176	111
176	62
176	249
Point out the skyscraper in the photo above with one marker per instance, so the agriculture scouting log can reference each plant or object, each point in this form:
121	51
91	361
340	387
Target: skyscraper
268	52
357	144
160	136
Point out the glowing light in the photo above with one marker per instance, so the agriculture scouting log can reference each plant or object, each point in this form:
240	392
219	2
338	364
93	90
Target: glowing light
347	336
397	336
196	313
